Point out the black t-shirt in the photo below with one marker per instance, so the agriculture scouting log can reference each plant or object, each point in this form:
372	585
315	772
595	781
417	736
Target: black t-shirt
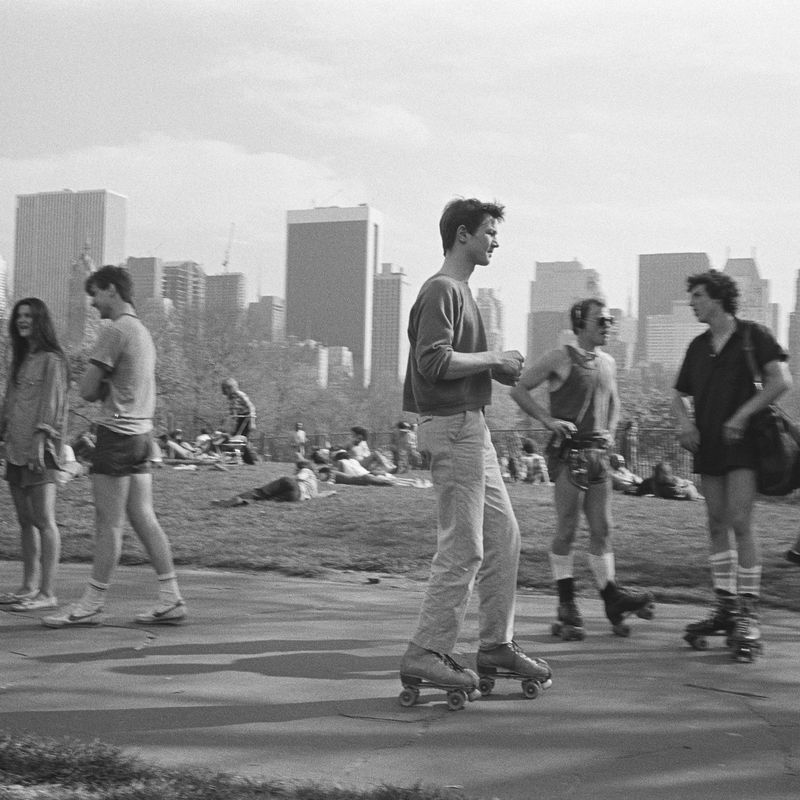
720	383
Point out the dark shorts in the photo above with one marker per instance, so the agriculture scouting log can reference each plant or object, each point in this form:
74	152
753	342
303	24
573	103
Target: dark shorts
120	454
21	477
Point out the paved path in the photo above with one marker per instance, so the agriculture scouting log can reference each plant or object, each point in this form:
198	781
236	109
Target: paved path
297	680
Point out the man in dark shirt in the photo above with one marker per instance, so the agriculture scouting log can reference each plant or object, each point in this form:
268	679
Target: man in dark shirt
715	374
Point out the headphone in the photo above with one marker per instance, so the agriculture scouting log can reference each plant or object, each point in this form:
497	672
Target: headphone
579	312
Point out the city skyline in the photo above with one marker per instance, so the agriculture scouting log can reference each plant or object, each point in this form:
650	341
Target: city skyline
609	129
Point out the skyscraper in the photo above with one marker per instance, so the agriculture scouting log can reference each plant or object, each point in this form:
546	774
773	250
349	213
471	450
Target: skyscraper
794	332
491	308
754	303
558	284
266	319
185	285
225	293
57	230
662	281
332	255
389	342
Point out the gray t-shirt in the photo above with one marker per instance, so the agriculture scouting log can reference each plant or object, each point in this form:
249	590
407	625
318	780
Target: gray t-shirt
125	351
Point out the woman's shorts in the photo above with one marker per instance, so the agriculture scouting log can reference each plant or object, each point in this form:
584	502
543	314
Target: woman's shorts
121	454
22	477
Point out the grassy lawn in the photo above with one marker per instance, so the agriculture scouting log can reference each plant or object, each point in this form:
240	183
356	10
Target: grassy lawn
661	544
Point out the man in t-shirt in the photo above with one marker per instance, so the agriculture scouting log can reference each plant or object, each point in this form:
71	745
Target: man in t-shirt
121	375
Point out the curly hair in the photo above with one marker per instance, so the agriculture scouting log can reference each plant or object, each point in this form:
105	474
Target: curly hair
43	333
718	286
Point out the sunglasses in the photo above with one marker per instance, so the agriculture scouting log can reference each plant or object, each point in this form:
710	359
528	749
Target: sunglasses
605	322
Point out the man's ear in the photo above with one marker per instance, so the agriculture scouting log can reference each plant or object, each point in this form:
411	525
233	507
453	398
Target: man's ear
462	233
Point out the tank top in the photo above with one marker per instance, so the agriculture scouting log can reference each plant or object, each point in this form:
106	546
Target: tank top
585	396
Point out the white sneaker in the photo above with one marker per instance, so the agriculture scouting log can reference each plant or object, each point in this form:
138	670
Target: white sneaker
75	614
165	613
38	603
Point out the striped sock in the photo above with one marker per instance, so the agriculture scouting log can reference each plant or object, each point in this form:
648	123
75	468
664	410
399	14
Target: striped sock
749	580
723	571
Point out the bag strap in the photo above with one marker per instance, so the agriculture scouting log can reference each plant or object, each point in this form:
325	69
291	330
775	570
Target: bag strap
755	372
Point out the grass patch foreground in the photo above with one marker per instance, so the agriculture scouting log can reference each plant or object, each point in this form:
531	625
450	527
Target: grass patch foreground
33	768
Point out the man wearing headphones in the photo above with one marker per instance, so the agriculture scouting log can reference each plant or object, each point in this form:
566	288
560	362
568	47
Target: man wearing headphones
583	415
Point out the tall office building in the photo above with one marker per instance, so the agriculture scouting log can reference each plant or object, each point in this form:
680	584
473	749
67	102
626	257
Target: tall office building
148	278
332	255
793	344
56	232
754	303
225	293
389	323
185	285
668	335
662	281
557	285
4	289
266	319
491	308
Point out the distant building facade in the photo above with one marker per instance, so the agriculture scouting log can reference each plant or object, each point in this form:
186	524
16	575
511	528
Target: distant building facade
662	281
754	302
226	293
56	231
266	319
389	323
332	255
491	307
794	333
185	285
557	285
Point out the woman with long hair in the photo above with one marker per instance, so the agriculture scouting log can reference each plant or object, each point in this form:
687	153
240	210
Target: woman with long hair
33	425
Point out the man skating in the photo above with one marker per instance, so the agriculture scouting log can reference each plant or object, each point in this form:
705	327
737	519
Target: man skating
449	383
583	414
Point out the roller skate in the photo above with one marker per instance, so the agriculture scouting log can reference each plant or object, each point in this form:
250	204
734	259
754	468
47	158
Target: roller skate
421	667
508	661
719	622
745	638
569	622
621	602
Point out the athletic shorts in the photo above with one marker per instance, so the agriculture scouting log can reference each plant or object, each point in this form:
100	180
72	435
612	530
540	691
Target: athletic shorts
22	477
121	454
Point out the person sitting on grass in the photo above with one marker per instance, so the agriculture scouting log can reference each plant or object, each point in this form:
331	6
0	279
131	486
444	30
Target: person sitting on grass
295	488
622	479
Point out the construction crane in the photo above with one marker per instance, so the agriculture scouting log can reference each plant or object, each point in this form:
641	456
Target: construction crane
227	257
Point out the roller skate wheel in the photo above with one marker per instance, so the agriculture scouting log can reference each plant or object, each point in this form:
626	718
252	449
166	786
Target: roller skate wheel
408	697
485	686
456	700
697	642
530	689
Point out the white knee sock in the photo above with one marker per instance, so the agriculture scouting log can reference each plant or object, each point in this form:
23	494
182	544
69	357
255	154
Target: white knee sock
749	580
562	565
603	569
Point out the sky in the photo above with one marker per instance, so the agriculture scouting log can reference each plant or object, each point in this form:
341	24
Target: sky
608	128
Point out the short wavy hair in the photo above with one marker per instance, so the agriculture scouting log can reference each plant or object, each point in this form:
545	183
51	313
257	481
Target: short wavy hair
467	212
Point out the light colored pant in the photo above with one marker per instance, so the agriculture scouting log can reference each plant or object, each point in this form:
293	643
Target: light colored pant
478	535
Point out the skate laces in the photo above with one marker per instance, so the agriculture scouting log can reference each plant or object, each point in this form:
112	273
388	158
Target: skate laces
448	661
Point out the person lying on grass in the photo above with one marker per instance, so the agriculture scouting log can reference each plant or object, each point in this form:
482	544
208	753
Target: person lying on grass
303	485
